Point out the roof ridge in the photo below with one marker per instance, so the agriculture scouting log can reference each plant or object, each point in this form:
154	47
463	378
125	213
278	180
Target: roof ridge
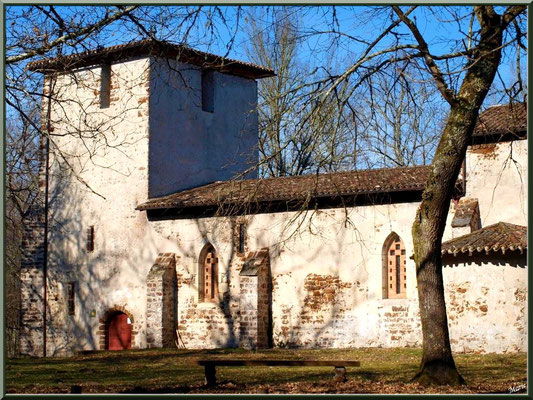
143	47
507	227
331	173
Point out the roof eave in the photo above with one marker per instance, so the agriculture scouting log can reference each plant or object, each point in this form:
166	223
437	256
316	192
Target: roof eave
144	49
146	207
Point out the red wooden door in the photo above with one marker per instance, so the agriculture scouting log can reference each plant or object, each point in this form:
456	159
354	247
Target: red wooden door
119	332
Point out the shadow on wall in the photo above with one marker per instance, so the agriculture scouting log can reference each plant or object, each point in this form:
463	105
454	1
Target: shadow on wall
315	311
318	310
322	313
89	134
98	286
513	259
308	308
214	323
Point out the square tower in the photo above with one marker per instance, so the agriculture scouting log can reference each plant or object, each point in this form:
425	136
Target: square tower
123	124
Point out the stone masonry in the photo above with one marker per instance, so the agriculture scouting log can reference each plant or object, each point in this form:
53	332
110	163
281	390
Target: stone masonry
255	301
160	302
316	281
32	286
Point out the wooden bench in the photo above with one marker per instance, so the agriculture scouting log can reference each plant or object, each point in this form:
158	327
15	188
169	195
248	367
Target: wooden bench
339	365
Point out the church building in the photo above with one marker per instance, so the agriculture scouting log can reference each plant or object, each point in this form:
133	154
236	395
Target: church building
155	231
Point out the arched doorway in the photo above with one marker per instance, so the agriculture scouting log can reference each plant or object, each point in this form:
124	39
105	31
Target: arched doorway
119	332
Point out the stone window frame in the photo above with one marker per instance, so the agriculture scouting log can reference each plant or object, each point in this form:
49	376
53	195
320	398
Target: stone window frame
238	235
214	273
71	297
391	284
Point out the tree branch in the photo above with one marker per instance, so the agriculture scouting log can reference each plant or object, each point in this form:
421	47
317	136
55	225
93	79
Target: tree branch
78	33
364	57
511	13
448	94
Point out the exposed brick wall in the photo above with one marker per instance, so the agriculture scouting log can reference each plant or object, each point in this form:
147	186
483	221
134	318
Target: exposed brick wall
32	283
322	290
324	318
336	313
215	325
58	339
249	314
400	323
160	302
255	301
206	324
486	150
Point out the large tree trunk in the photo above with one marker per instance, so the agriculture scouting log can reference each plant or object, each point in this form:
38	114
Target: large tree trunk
437	361
438	366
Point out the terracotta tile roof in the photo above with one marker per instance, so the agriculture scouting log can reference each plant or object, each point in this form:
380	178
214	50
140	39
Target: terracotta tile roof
502	119
155	48
499	237
296	188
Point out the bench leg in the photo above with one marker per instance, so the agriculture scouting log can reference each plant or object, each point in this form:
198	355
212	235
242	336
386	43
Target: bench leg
340	374
210	375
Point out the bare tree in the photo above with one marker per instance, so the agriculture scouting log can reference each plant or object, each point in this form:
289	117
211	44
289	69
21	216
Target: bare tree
58	31
275	46
481	65
22	165
399	124
463	76
293	139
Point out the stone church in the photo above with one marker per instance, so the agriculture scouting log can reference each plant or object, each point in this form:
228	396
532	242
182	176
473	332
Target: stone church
154	230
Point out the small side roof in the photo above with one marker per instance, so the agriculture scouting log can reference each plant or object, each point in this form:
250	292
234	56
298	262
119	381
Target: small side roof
499	237
501	123
151	47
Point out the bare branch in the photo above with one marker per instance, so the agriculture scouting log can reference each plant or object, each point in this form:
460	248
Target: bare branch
76	34
511	14
448	94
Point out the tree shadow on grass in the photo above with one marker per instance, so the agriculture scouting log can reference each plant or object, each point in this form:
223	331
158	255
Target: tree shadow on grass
159	390
125	356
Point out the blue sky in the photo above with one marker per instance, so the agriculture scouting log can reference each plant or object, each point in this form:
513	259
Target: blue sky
351	19
316	50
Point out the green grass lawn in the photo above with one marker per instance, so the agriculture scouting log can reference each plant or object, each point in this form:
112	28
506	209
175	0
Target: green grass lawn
173	371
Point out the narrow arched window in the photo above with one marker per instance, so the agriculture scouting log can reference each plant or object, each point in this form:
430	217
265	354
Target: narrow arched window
208	288
394	268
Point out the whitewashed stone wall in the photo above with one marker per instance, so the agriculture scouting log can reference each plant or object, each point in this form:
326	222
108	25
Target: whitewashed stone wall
487	302
497	177
106	176
191	147
326	265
